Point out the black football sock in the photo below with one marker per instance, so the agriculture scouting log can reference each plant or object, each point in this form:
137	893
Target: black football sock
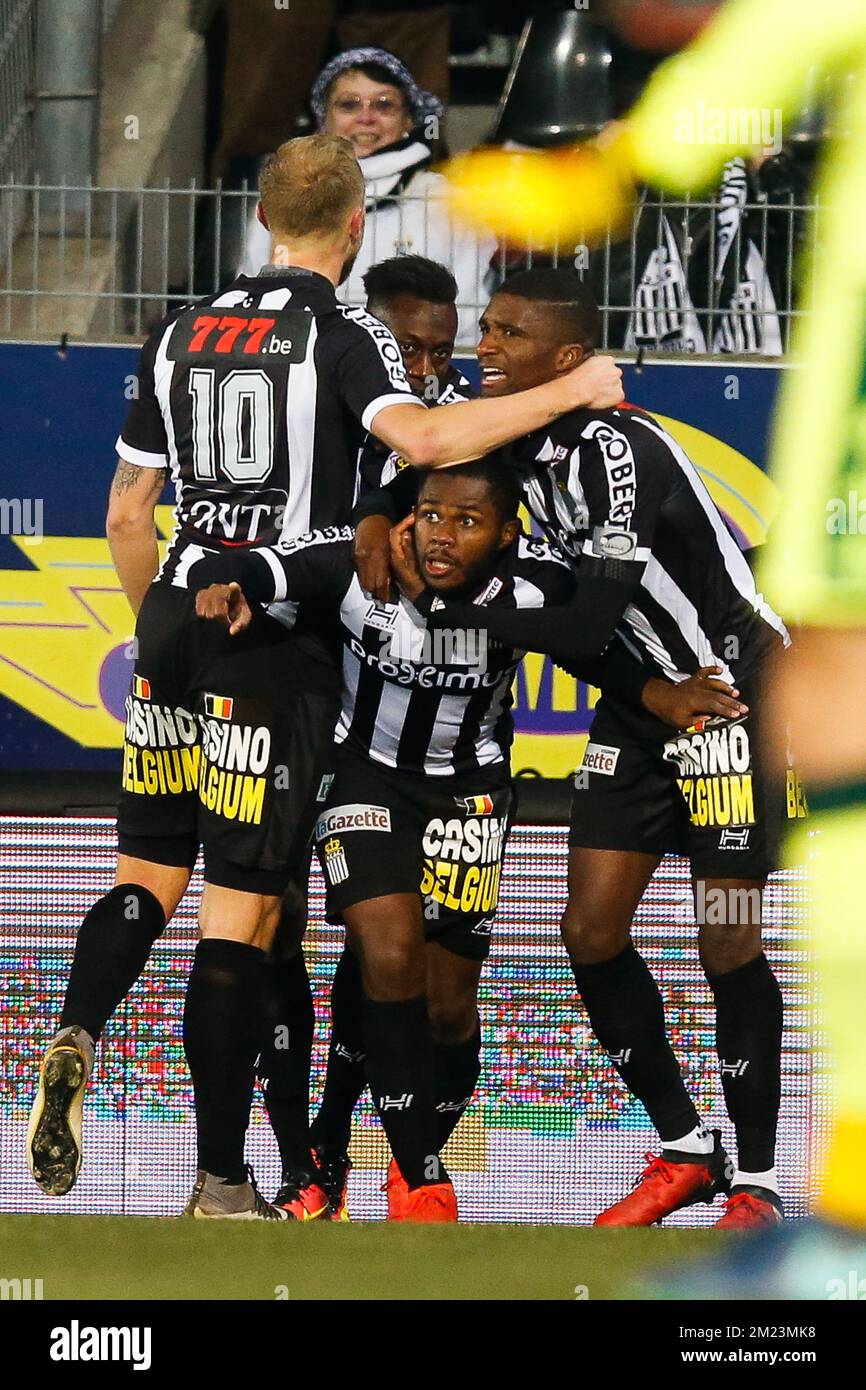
112	948
284	1060
222	1027
345	1078
749	1044
456	1071
399	1069
627	1016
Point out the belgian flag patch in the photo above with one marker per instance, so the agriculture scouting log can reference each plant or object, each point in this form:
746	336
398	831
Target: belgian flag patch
218	706
476	805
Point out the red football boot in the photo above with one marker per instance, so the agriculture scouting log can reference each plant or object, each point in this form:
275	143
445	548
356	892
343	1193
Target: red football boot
301	1195
396	1190
750	1209
667	1184
434	1203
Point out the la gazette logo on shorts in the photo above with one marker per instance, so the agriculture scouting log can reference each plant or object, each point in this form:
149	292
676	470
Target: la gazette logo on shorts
354	817
599	757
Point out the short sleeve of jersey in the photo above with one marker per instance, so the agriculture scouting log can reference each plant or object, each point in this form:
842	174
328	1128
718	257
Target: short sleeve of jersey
369	370
143	440
624	479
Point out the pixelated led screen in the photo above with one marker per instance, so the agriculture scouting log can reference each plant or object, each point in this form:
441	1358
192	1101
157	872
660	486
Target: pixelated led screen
552	1136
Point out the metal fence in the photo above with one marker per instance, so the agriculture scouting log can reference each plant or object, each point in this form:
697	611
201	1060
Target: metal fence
105	264
17	67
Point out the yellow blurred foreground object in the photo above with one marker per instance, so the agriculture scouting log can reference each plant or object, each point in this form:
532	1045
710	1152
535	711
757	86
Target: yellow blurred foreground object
544	198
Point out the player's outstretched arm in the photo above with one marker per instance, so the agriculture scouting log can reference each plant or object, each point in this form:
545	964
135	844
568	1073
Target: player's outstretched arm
616	671
471	429
130	528
316	565
571	633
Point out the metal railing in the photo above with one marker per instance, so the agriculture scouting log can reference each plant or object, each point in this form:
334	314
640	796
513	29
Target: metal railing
17	67
105	264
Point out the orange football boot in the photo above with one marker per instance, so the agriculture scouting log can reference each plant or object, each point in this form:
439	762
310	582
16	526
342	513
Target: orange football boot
434	1203
669	1183
750	1209
396	1190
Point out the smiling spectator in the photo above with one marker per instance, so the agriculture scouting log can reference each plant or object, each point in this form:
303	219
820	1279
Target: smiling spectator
370	98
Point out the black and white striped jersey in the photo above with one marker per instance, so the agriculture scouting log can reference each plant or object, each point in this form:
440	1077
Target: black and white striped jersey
377	465
436	703
258	400
619	496
439	703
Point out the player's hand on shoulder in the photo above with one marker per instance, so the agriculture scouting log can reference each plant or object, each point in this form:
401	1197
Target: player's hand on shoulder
701	696
372	556
595	385
226	604
404	563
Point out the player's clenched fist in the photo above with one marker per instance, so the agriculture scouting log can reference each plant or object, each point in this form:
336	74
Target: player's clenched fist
595	385
226	604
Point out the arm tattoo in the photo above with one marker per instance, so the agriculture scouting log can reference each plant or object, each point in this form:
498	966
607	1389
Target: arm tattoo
127	476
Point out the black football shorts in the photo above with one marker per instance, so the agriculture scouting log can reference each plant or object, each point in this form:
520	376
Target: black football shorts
223	744
380	832
703	792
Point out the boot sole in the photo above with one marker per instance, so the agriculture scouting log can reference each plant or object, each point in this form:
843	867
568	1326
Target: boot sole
54	1132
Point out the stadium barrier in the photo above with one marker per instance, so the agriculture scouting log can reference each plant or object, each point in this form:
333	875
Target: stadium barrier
105	263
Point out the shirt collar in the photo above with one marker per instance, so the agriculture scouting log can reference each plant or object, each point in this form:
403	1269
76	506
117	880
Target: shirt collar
292	272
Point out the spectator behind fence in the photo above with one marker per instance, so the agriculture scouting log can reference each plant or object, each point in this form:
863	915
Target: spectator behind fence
706	278
370	98
695	280
713	280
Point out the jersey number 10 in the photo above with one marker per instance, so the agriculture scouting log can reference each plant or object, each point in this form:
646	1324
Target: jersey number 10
239	413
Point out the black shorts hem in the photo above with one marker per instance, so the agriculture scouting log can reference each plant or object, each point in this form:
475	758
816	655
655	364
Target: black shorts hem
625	845
336	904
177	851
222	873
458	938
